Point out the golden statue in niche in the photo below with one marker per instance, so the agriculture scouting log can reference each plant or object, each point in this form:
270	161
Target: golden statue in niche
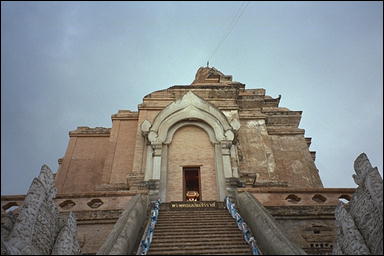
192	195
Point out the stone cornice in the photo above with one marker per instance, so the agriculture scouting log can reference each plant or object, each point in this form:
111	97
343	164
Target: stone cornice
308	140
253	115
282	112
125	115
85	131
151	108
227	107
159	99
234	85
285	131
252	92
102	194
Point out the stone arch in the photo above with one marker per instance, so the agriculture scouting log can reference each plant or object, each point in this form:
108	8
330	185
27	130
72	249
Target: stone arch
190	99
191	113
190	107
189	110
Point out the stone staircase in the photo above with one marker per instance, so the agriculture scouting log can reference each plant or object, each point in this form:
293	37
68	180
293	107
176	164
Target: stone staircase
200	230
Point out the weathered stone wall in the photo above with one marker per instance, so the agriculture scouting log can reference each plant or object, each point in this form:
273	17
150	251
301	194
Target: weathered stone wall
92	236
294	162
191	147
314	231
222	98
255	151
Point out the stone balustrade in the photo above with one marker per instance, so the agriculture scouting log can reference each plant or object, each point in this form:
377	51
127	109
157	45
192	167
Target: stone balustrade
79	202
300	196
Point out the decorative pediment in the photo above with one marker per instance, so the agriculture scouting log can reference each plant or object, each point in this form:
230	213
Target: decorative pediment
190	107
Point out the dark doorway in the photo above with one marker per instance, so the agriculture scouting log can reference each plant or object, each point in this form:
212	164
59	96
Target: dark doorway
191	177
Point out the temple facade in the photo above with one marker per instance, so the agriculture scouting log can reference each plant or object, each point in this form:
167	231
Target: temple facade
199	135
203	141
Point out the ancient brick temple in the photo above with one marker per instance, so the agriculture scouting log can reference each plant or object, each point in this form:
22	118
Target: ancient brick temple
202	142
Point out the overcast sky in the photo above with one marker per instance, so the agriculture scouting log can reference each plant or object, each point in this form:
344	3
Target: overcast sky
73	64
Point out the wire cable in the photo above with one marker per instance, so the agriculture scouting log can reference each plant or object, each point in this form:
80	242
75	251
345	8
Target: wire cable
231	26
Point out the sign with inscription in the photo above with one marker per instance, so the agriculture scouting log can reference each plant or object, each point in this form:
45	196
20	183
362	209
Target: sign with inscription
193	205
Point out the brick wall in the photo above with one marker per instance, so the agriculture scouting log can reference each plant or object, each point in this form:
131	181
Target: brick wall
124	150
191	147
83	164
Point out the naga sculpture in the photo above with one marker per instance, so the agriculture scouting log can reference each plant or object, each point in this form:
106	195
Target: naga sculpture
39	229
359	223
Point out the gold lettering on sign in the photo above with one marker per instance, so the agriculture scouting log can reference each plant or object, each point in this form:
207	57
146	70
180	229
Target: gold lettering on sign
194	205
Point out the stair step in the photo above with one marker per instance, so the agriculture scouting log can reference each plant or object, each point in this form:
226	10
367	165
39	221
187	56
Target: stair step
211	243
171	216
221	211
219	234
213	252
196	238
202	218
189	232
201	247
195	217
199	224
190	220
178	236
166	232
202	250
184	234
193	224
196	230
218	211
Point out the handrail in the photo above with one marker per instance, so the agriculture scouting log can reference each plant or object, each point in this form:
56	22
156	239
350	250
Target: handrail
147	240
247	234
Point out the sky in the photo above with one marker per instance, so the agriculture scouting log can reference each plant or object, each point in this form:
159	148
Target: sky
70	64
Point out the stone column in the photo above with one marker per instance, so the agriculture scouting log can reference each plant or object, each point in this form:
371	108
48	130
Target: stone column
148	163
219	172
226	154
235	165
163	173
156	167
148	173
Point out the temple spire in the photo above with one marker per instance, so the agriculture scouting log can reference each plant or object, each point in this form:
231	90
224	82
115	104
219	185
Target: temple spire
211	76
